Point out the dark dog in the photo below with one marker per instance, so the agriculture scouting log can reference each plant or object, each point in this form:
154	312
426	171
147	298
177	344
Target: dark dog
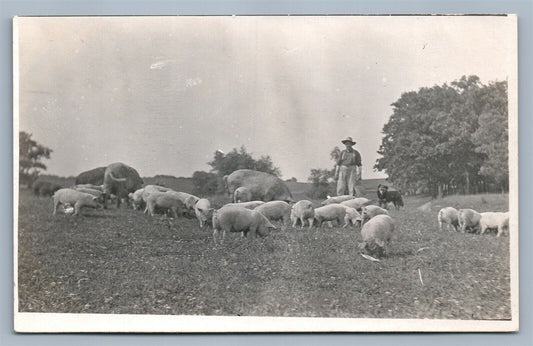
385	196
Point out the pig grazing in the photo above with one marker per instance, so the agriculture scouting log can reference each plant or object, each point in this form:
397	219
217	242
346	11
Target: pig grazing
330	212
275	210
448	216
468	218
494	220
203	211
262	186
120	180
352	217
303	210
370	211
91	186
242	194
235	219
166	201
76	198
356	203
93	192
190	201
337	199
187	199
136	198
376	234
247	205
145	193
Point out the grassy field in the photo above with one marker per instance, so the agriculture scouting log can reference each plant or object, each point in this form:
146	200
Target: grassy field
122	261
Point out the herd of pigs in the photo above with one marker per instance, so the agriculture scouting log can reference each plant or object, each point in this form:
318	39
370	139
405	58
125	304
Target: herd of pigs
258	200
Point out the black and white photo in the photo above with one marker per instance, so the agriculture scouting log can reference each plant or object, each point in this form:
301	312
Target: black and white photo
266	173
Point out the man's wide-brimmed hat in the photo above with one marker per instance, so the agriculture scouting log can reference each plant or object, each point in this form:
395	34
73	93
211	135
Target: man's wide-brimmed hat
348	140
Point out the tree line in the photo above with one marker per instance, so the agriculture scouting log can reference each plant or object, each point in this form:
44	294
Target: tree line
441	140
448	139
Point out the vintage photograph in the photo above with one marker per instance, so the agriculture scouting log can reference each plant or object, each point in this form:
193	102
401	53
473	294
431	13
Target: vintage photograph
265	173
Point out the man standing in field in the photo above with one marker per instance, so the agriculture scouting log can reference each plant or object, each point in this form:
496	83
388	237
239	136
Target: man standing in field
348	170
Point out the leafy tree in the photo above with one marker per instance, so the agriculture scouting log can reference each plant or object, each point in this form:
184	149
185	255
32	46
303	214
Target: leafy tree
335	154
224	164
321	176
429	139
30	155
492	136
320	179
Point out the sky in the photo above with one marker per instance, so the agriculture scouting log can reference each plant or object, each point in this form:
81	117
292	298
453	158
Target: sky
162	94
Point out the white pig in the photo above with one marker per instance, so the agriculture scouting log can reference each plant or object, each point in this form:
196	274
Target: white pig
76	198
303	210
235	219
376	234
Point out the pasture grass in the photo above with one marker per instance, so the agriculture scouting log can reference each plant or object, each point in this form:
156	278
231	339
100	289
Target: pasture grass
122	261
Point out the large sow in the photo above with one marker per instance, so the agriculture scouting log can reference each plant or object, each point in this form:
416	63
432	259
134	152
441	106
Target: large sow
94	176
120	180
262	186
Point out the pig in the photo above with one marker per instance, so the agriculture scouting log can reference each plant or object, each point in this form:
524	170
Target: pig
242	194
275	210
166	201
187	199
120	180
94	176
448	216
203	211
91	186
147	190
136	198
356	203
90	191
369	211
263	186
235	219
183	196
303	210
494	220
247	205
352	217
76	198
376	234
190	201
336	199
330	212
468	218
